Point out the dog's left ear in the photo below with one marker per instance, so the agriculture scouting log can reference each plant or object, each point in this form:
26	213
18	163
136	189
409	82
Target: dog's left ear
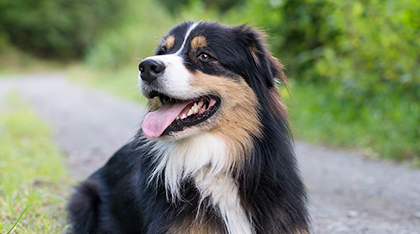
261	64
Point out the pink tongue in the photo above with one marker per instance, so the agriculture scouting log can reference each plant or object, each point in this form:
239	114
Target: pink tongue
155	123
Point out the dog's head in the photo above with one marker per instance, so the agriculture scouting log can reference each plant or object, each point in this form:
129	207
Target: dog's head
208	77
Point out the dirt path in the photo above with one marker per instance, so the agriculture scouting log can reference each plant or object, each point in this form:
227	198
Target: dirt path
348	193
89	125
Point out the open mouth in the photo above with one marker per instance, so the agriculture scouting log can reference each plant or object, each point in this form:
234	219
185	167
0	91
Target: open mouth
175	115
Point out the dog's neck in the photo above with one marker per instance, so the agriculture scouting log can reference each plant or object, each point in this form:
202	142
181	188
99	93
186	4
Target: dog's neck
206	160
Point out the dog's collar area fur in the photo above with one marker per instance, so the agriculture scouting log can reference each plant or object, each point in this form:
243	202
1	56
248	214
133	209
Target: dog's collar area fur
204	160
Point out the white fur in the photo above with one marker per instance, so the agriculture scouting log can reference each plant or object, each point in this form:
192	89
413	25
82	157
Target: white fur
224	194
175	81
185	157
203	157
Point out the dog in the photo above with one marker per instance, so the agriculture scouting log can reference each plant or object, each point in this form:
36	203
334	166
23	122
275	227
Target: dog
215	151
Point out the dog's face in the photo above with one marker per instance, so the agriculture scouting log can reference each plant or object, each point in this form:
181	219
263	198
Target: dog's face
204	78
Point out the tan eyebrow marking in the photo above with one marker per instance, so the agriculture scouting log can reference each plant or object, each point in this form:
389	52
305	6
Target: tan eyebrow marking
170	42
198	42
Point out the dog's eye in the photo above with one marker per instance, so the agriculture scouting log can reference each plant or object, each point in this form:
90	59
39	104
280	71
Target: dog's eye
204	57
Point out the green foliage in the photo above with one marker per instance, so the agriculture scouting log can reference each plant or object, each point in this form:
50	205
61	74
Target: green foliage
364	47
135	37
175	7
172	6
385	126
358	63
56	28
31	173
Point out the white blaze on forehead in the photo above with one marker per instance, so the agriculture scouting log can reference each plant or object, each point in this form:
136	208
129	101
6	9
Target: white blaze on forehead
186	38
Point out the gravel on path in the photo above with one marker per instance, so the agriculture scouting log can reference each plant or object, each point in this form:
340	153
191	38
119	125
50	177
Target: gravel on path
89	125
351	194
348	193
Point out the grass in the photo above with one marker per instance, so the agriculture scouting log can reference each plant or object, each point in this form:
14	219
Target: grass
14	61
34	181
20	217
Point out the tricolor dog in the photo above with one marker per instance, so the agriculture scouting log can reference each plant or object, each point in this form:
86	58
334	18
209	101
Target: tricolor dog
214	153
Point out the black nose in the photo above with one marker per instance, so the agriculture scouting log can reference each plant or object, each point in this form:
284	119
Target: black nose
150	69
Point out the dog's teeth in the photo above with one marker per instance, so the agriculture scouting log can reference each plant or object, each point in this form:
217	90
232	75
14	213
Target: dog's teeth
195	108
190	112
200	104
177	118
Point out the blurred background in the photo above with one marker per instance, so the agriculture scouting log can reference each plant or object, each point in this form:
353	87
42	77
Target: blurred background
354	65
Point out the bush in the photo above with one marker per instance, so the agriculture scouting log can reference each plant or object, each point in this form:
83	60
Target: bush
365	47
358	64
56	28
384	127
174	7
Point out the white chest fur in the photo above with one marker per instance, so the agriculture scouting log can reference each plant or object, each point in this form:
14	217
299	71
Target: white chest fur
205	158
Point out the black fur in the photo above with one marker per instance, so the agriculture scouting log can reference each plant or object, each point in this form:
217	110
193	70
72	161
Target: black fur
118	199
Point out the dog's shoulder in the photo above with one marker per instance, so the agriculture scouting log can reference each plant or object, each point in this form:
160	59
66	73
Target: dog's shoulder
126	159
91	205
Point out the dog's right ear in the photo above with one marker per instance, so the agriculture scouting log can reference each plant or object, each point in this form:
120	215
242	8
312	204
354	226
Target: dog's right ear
264	71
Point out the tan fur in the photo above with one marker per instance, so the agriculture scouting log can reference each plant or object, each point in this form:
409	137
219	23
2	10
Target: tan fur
254	53
237	118
301	231
170	42
193	225
198	42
